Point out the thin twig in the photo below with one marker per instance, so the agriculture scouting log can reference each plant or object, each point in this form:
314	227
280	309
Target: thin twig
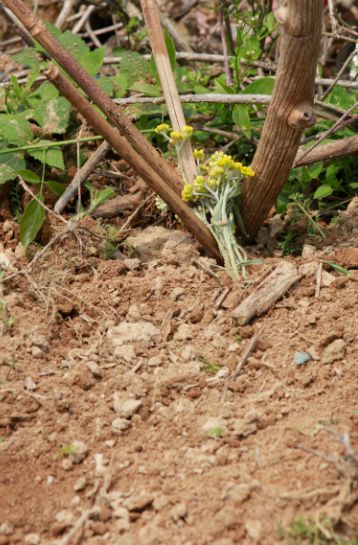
251	347
207	97
330	131
318	279
332	18
81	176
341	71
28	190
84	18
129	220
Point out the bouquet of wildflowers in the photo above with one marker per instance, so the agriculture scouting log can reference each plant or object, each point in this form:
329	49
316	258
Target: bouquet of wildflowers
214	194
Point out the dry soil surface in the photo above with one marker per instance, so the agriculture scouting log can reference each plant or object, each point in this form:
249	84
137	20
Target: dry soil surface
122	421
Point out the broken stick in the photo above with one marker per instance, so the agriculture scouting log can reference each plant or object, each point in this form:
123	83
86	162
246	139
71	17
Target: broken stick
273	288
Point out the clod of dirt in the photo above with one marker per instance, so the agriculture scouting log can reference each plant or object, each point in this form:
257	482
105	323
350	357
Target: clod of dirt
126	408
150	243
32	539
94	369
144	334
140	502
179	511
334	351
80	484
126	353
119	425
80	451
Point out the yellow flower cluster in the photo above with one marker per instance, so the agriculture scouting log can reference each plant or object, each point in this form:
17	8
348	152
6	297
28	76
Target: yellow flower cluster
175	137
221	160
187	193
214	173
163	127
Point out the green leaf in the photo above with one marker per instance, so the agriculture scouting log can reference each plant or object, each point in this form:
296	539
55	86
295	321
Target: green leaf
56	187
241	118
106	84
262	86
221	85
133	65
52	156
46	91
336	267
146	88
10	164
315	170
251	48
29	176
120	82
15	129
89	60
31	222
29	58
343	98
53	116
323	191
171	54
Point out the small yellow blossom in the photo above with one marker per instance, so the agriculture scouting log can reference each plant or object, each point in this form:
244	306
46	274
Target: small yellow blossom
247	171
176	137
187	193
199	183
199	154
187	131
216	171
163	127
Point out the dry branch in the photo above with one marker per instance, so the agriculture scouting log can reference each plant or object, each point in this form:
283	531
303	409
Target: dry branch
38	31
123	148
290	110
167	80
339	148
273	288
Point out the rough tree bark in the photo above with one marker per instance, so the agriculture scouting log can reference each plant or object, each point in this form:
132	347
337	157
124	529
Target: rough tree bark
290	110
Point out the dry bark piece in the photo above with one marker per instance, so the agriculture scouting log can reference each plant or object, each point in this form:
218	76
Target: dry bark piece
273	288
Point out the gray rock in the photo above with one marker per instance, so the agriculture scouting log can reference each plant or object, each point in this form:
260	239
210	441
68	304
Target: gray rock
334	351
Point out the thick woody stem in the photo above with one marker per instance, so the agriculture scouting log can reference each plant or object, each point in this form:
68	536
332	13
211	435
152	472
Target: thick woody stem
123	148
290	110
38	31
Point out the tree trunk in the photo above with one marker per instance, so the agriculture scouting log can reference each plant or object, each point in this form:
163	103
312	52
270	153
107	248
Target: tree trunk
290	110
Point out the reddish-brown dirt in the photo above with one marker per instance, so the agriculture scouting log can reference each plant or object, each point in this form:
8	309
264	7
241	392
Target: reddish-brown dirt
115	376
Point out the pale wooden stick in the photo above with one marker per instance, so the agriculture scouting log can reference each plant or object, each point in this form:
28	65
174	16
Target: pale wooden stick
167	80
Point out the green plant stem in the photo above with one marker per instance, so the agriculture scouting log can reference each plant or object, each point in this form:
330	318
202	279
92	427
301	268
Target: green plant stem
50	144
